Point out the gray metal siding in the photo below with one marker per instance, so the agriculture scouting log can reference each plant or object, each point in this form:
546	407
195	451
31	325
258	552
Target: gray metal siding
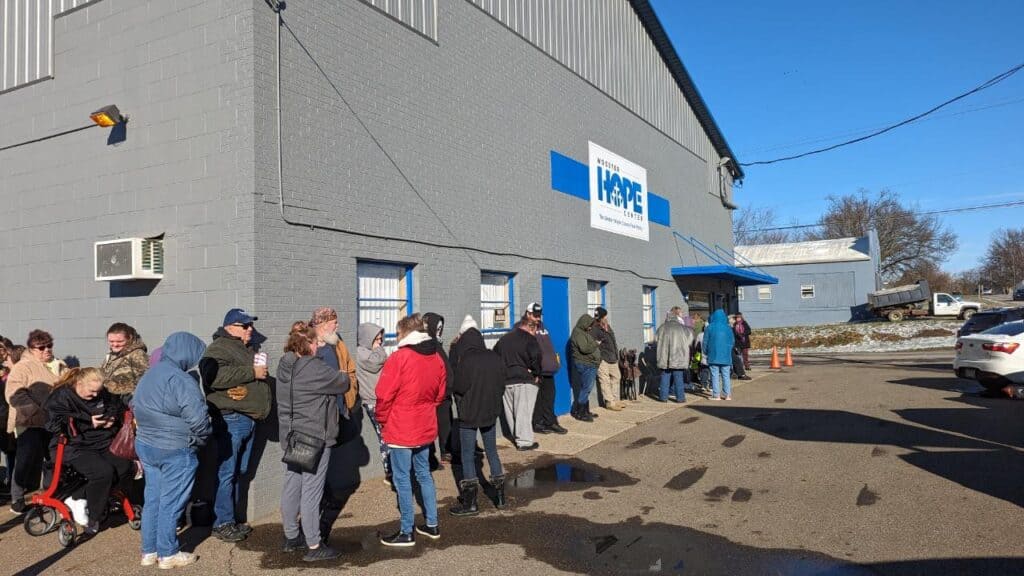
604	42
26	39
420	15
840	293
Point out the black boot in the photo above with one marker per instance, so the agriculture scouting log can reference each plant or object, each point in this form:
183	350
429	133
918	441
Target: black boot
499	492
586	410
467	499
580	413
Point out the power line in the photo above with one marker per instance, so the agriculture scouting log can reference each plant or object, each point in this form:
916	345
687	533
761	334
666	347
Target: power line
865	130
987	84
926	213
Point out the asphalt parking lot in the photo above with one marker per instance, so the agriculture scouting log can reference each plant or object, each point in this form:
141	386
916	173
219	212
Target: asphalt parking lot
841	466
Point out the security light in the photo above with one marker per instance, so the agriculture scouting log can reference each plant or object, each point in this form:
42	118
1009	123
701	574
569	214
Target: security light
107	116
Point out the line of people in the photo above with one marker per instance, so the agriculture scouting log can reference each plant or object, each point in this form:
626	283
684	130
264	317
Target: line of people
190	394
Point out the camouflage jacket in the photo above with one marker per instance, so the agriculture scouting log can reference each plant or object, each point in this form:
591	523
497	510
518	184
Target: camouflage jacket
122	371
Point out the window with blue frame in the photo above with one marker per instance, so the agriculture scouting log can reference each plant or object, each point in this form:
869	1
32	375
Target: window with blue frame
649	312
497	305
597	293
384	295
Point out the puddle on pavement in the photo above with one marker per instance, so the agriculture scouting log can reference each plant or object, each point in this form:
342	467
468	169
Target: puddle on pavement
686	478
645	441
742	495
717	493
866	497
733	441
591	495
780	400
764	454
558	473
690	420
879	452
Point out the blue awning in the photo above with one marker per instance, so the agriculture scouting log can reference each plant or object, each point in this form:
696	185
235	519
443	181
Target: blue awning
741	276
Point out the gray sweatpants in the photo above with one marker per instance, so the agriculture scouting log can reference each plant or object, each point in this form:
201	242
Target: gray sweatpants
300	497
519	400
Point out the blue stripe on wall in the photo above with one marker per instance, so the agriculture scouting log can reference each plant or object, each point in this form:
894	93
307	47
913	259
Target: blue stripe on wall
573	178
569	176
659	210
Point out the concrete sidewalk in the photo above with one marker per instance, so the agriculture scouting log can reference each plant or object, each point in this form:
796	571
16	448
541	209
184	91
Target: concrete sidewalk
583	435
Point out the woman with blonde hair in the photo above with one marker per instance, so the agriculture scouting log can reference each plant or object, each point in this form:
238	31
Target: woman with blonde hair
89	416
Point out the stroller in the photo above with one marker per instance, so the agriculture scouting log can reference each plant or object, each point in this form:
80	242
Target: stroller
700	375
48	512
629	374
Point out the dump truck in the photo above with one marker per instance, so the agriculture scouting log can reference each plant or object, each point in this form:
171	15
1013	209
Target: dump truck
917	299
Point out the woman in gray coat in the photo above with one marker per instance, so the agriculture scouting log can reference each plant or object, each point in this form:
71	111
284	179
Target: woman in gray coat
307	401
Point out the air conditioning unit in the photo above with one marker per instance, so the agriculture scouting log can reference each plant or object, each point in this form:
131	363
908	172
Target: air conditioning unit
129	259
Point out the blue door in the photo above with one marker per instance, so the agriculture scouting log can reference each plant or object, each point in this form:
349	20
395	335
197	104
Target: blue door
555	299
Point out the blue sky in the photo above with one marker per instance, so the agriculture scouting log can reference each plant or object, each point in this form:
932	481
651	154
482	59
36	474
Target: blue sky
784	77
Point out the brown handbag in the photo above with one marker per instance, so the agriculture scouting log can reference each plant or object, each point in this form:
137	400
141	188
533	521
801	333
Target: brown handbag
123	444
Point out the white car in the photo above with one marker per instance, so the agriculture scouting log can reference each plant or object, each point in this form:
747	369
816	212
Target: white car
994	357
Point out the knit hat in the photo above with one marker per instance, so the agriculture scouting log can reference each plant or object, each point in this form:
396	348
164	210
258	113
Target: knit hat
467	323
323	314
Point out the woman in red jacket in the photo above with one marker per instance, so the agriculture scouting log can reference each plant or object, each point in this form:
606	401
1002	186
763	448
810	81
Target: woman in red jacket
411	385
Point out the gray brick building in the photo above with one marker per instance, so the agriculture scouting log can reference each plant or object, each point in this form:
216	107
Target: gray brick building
379	157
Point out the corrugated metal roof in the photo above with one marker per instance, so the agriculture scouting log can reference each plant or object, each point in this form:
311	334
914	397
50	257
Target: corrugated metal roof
836	250
668	53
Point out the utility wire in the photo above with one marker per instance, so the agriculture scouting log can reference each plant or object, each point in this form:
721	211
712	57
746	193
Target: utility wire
48	137
987	84
926	213
462	247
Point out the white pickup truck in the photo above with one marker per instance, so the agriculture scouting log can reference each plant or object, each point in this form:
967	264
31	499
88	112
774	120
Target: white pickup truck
918	300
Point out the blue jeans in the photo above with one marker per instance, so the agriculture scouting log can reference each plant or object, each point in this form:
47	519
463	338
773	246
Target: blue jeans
170	475
587	375
720	373
417	459
678	378
233	434
467	437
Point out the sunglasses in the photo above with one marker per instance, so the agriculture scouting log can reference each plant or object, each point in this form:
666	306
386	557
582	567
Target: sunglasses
44	347
247	326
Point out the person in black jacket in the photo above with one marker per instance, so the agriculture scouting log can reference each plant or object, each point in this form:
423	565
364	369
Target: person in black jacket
89	416
478	388
544	419
445	441
520	352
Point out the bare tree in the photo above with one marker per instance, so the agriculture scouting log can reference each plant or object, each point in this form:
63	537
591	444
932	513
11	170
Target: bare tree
750	226
905	239
938	279
1004	261
968	281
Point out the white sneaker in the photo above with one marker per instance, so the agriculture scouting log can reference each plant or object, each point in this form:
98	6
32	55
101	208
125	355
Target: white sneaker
178	560
78	510
148	559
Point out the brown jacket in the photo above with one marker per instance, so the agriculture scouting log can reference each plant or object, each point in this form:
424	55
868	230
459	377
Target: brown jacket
122	371
348	366
28	387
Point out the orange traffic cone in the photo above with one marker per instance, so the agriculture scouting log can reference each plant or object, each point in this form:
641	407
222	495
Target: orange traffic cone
788	362
775	359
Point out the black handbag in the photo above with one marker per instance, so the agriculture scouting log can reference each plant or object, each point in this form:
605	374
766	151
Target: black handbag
301	450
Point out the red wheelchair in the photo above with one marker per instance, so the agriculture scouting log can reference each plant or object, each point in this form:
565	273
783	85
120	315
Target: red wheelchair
47	511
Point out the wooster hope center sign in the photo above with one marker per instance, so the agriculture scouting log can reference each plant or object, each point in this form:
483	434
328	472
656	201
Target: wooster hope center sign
618	194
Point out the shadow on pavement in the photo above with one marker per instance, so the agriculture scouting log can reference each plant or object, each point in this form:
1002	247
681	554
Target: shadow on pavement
806	425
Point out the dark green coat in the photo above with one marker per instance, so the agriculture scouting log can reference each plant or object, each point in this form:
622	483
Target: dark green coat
585	349
235	368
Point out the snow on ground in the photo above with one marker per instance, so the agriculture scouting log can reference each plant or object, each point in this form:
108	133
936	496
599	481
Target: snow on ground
917	334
